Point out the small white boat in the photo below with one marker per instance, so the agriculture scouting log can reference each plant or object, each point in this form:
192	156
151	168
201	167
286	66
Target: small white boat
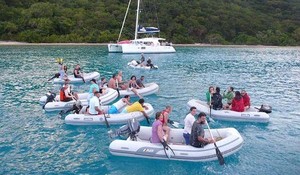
134	64
87	77
150	88
121	118
56	105
251	115
140	146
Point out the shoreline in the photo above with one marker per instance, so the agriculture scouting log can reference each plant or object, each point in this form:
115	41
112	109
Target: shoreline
14	43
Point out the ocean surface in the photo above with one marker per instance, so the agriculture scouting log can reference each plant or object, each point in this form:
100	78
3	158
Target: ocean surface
35	142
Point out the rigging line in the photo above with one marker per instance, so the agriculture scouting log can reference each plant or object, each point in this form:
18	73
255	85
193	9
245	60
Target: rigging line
124	21
156	14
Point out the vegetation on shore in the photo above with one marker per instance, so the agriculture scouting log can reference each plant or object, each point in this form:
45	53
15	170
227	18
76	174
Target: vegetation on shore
269	22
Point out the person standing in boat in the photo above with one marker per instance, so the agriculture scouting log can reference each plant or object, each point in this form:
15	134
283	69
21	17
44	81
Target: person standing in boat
237	103
229	95
157	130
139	82
217	100
188	123
209	94
77	73
142	63
137	106
246	99
114	108
197	134
94	105
132	86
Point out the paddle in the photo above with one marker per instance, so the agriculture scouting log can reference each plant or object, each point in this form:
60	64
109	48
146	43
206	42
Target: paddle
218	152
167	148
106	122
175	124
209	118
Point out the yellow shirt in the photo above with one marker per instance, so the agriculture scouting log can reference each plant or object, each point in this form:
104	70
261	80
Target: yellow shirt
135	107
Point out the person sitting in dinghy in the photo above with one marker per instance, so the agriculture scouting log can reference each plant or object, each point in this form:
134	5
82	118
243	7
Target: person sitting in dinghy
132	86
188	123
114	108
77	73
137	106
166	112
149	63
139	82
209	94
197	134
157	129
216	100
94	105
66	94
246	99
237	102
229	95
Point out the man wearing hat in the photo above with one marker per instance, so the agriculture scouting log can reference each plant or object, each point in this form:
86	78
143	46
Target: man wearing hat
93	88
197	134
94	104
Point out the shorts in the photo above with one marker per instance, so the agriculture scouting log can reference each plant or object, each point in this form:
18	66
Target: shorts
113	110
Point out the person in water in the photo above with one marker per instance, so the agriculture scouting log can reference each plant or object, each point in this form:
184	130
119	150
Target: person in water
77	72
197	134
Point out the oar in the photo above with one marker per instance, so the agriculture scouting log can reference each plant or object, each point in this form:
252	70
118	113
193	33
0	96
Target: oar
175	124
218	152
106	122
167	148
209	118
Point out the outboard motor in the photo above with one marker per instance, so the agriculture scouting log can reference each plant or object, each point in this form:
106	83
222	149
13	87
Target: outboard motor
265	108
129	130
77	107
50	98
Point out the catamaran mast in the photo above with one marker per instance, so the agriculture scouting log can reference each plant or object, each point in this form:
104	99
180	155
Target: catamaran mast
124	21
137	20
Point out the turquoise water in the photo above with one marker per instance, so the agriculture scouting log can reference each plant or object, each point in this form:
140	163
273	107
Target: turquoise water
35	142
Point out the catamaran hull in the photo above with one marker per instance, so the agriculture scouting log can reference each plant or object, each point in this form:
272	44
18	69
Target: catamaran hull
137	49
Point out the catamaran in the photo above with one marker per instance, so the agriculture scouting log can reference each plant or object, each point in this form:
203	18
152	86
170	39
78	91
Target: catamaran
141	45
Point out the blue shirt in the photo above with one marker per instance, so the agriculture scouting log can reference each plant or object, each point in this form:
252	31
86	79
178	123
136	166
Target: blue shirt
93	86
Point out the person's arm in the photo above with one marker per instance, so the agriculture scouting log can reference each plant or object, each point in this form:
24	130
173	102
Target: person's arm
67	94
144	113
126	101
166	118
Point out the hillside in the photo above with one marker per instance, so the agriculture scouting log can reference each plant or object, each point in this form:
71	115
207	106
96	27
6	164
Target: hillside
252	22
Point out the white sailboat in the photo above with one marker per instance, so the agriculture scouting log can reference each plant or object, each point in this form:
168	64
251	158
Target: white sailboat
141	45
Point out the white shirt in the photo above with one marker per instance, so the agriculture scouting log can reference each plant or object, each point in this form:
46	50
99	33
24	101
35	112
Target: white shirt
188	123
94	102
120	104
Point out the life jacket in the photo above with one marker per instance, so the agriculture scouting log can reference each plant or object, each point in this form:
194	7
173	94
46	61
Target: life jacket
62	95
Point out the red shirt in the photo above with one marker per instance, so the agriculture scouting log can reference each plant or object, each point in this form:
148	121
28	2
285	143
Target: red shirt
246	99
237	105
